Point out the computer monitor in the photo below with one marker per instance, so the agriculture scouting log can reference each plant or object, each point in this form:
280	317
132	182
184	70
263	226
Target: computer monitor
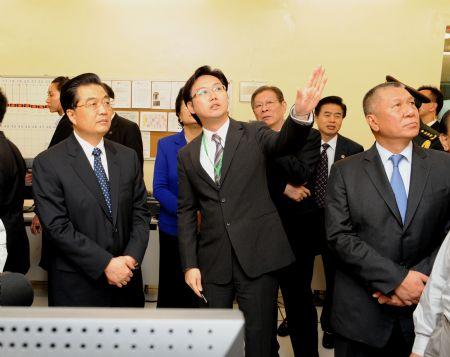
92	332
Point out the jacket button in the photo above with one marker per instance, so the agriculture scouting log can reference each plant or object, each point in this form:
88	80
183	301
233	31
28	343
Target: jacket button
223	200
228	224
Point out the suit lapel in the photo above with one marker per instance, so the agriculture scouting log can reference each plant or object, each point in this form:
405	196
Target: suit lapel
114	177
375	170
420	169
83	169
194	154
232	141
340	150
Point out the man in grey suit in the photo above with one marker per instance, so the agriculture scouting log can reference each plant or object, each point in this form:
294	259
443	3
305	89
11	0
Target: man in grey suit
91	199
222	174
387	212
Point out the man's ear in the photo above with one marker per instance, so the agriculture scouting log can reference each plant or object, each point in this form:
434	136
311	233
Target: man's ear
372	121
190	107
443	139
284	106
72	116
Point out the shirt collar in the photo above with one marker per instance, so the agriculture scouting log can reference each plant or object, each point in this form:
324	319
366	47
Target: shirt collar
222	132
88	148
386	154
332	142
432	122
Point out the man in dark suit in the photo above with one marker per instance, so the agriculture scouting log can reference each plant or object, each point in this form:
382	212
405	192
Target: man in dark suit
124	131
91	199
13	237
330	113
288	179
222	173
387	213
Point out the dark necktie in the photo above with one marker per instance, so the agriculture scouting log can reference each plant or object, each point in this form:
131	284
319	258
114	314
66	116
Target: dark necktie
218	156
397	185
321	178
102	178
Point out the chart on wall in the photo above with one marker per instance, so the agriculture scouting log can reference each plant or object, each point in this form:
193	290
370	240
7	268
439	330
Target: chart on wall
28	123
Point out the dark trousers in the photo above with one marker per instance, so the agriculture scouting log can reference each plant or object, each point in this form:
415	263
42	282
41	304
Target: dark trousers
295	284
173	292
329	267
256	298
397	346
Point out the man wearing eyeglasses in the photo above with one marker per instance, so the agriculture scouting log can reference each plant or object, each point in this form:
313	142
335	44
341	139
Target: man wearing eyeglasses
222	174
91	198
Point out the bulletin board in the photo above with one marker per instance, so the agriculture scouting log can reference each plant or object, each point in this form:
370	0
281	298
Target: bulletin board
29	124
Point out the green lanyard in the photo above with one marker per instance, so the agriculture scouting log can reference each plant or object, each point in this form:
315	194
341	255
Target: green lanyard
218	168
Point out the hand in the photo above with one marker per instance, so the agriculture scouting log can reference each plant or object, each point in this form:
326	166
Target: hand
28	178
130	262
117	271
193	278
414	355
296	193
308	98
411	287
35	226
393	300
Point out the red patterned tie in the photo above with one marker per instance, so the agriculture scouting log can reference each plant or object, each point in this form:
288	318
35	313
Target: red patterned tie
321	178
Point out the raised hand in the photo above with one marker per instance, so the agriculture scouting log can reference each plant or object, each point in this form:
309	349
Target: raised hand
308	97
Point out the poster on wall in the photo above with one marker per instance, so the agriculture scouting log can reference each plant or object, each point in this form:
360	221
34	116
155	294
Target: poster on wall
246	89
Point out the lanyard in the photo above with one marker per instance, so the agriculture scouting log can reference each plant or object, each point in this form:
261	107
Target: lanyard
218	168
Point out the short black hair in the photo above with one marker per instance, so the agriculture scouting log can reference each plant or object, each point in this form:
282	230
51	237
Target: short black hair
276	90
60	81
109	91
437	95
443	124
3	105
69	91
178	102
368	98
202	71
332	99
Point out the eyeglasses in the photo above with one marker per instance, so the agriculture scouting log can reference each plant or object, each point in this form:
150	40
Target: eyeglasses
259	106
94	104
207	92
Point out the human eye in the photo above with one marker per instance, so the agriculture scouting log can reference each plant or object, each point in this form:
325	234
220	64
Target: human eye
258	106
218	88
201	92
92	104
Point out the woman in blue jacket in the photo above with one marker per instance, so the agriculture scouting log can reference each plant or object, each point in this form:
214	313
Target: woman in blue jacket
172	290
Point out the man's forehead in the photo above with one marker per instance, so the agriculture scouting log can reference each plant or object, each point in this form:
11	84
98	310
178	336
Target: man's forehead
206	80
91	90
393	93
265	93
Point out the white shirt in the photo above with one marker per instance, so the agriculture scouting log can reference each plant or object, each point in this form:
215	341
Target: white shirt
88	148
432	122
208	147
404	166
435	299
331	151
3	250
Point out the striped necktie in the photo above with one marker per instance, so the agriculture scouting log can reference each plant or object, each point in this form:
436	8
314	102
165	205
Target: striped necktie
102	178
218	156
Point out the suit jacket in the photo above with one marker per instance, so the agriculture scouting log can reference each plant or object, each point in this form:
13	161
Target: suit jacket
125	132
72	209
237	216
62	131
12	176
375	249
165	181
